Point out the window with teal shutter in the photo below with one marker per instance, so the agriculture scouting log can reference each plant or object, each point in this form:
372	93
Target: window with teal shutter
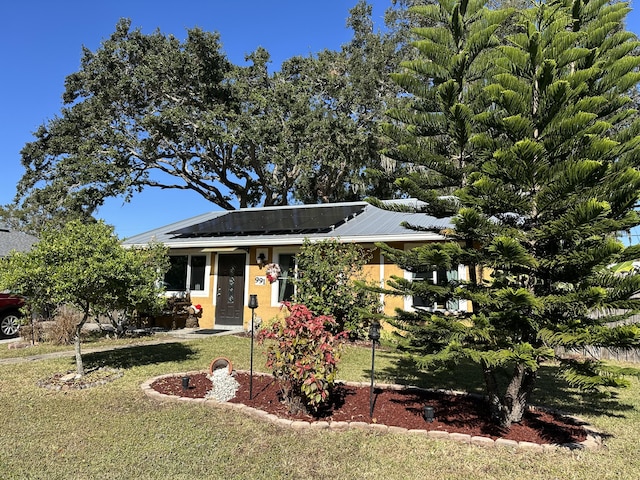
440	276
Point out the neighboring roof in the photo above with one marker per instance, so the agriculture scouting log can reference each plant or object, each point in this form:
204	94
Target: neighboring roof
290	225
12	240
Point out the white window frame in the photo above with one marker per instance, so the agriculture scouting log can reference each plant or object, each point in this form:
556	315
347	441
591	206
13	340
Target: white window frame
204	292
275	286
408	300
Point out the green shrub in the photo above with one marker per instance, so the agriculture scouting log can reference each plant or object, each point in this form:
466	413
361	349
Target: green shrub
331	282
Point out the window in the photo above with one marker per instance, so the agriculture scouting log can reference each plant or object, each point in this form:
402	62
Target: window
440	276
196	278
287	274
176	276
186	270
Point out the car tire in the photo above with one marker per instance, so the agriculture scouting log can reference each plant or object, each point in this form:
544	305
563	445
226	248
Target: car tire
9	325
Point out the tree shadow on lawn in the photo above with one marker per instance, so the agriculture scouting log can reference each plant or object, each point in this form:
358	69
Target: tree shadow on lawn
551	390
465	376
140	355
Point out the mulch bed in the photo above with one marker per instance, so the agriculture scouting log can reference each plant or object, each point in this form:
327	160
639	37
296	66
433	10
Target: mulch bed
402	408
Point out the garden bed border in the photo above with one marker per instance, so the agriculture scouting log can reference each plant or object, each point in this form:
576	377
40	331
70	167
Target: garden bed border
592	442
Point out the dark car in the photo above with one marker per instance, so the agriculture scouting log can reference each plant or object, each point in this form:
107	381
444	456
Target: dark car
10	314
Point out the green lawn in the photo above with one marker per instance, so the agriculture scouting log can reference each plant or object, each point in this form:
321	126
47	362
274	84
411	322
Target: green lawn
116	432
91	342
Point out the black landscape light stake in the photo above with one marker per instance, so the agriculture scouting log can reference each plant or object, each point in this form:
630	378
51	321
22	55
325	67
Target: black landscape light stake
185	383
253	304
428	413
374	336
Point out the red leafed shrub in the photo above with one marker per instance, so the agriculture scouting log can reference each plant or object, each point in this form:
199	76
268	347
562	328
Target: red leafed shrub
303	356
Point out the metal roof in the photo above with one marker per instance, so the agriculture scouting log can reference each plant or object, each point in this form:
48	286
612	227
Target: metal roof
370	224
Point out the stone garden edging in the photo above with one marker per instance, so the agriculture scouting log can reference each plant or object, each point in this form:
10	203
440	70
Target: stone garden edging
593	440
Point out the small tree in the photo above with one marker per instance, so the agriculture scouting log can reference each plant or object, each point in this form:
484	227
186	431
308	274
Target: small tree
303	357
86	267
331	282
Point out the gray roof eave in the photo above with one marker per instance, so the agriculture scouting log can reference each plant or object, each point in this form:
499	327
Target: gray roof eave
282	241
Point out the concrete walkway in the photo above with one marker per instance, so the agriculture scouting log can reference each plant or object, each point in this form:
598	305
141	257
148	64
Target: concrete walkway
175	336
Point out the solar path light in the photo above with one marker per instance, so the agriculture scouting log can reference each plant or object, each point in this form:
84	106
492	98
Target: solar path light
253	304
374	336
428	414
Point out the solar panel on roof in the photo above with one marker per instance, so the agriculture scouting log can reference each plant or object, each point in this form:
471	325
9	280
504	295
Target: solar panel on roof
276	221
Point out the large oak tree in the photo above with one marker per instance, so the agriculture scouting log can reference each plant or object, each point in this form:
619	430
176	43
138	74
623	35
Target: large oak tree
151	111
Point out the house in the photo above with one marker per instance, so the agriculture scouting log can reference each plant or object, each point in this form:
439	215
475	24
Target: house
11	240
223	257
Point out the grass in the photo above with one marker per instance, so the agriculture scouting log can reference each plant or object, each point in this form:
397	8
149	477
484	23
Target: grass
90	341
114	431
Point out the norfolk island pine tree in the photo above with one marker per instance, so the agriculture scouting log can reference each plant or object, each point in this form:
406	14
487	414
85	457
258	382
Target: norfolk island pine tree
521	129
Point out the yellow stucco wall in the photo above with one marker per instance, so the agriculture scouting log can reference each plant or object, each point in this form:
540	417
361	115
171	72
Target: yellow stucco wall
206	301
257	284
378	271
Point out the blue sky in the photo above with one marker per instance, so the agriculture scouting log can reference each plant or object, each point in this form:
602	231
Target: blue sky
41	44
